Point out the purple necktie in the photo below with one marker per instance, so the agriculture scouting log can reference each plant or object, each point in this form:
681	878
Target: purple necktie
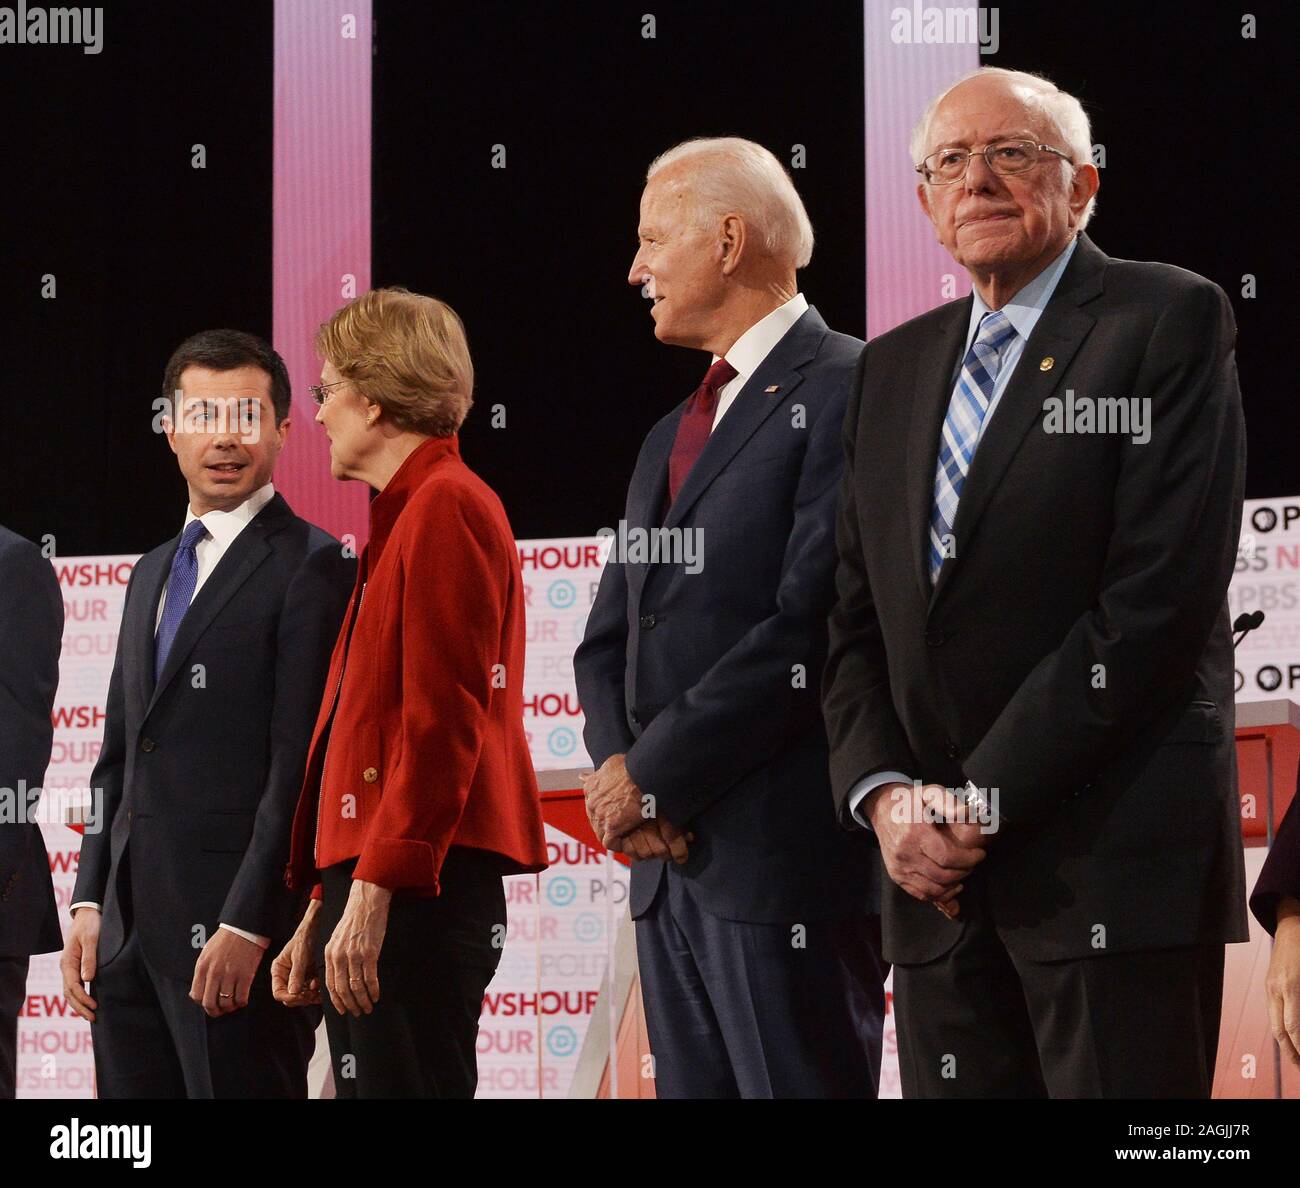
180	589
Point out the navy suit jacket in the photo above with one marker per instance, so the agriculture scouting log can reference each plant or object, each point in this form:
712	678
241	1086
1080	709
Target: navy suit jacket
200	770
709	681
31	635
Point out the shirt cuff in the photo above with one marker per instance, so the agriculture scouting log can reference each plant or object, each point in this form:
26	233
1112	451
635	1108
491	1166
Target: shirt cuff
72	908
858	793
262	942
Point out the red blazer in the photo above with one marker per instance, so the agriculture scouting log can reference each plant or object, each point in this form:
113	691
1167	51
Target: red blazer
427	747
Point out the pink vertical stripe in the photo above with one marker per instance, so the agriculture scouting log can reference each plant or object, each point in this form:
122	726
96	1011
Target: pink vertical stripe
906	265
321	226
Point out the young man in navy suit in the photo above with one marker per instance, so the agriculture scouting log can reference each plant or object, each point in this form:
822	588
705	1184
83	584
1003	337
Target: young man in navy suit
756	915
225	639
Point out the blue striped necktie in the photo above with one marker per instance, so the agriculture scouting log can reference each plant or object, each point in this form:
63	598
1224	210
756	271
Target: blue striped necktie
961	428
180	589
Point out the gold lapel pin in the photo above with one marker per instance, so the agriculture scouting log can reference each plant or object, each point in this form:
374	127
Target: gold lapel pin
1047	364
772	388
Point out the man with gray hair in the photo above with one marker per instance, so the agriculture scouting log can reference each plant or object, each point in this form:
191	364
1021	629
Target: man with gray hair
1029	694
756	915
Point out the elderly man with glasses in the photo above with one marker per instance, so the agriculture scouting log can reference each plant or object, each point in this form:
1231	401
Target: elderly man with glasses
1029	693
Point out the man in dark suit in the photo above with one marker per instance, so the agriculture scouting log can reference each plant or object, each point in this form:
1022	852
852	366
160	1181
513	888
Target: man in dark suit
31	635
1029	693
1275	900
221	659
758	941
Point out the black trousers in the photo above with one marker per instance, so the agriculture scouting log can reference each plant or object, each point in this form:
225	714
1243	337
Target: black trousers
13	985
437	959
979	1022
151	1041
735	1009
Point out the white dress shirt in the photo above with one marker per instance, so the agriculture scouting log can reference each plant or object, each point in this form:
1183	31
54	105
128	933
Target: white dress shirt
752	347
222	528
1023	311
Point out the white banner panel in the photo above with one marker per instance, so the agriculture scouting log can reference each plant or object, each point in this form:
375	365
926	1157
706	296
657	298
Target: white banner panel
1268	580
54	1056
560	932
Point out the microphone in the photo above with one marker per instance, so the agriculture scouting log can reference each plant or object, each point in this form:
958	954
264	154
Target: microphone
1245	624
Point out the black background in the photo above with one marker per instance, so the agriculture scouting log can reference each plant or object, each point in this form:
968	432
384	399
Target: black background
99	191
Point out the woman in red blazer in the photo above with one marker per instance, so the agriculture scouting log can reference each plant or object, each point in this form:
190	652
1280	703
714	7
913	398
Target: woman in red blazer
419	792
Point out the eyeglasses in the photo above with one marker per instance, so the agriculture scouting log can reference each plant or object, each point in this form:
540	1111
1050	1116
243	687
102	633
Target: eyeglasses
1004	157
320	392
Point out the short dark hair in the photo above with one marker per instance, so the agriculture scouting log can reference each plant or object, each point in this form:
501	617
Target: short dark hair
224	350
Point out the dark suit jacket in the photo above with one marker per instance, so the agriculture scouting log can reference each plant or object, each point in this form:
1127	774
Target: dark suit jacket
200	772
1280	876
1117	784
709	681
31	637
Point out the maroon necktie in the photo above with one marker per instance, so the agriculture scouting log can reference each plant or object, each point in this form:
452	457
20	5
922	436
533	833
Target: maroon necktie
696	424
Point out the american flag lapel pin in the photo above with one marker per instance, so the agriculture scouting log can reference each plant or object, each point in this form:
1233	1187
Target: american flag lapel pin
772	388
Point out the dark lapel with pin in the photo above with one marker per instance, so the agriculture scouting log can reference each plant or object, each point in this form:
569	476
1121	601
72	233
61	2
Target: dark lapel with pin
1058	335
772	386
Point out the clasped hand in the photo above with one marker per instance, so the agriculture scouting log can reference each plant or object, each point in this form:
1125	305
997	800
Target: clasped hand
625	821
927	846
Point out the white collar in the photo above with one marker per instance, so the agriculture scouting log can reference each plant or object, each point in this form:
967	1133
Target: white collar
1026	305
752	347
224	526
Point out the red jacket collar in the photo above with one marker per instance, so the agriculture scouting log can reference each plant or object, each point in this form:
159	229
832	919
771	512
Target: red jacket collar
410	476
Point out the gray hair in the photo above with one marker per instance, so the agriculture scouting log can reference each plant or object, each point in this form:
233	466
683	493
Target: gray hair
1060	107
738	175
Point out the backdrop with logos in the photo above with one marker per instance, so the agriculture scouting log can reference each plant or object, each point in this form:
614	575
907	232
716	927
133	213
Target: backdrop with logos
561	925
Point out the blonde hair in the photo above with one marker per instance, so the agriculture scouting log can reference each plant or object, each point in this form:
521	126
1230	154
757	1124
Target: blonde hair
406	353
729	173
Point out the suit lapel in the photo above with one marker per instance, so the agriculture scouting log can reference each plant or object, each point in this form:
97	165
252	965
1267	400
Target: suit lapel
933	391
1059	333
748	411
144	614
647	497
752	406
248	550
